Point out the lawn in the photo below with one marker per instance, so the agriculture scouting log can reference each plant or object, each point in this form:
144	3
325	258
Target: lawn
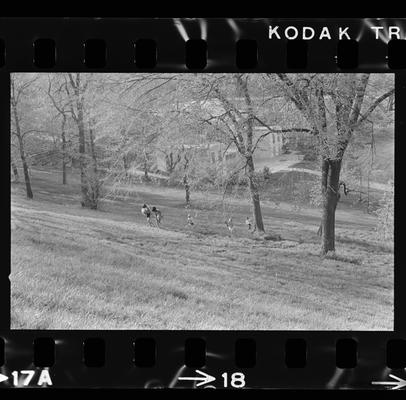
82	269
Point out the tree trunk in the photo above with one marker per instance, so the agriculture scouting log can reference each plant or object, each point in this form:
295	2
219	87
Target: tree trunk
15	171
26	173
187	189
82	157
256	205
25	169
79	88
171	162
330	191
85	184
63	137
146	176
22	153
360	188
125	165
168	162
242	85
186	183
94	182
368	190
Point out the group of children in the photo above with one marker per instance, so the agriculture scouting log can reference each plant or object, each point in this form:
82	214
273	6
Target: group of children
145	210
230	225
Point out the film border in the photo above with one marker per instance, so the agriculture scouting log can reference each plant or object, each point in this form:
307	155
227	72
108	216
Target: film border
221	37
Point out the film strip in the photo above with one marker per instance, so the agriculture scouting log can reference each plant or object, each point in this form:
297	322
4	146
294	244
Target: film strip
357	343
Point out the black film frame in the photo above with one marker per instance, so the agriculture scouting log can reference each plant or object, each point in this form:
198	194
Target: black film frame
269	359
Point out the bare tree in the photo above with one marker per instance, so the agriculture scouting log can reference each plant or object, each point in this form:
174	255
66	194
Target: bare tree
312	95
62	106
15	171
93	173
235	122
76	88
18	90
172	159
185	179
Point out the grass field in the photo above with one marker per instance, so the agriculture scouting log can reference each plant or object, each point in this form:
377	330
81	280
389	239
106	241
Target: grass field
81	269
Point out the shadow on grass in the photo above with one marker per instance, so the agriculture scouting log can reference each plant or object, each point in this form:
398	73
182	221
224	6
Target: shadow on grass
342	258
385	248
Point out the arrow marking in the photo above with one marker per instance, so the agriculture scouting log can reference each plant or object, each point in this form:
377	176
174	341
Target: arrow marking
205	378
397	384
3	378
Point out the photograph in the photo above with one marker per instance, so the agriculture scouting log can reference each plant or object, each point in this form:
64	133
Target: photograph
202	201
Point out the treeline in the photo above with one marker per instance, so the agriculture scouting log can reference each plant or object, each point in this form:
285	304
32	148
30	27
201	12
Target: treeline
111	124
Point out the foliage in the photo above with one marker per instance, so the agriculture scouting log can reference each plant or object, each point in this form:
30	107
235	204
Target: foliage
198	130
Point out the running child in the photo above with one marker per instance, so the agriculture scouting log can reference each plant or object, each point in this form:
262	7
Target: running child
145	210
158	216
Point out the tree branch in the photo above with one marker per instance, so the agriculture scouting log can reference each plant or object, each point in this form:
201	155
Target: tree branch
60	110
375	104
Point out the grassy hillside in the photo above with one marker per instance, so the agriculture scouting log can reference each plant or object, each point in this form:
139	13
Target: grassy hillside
80	269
